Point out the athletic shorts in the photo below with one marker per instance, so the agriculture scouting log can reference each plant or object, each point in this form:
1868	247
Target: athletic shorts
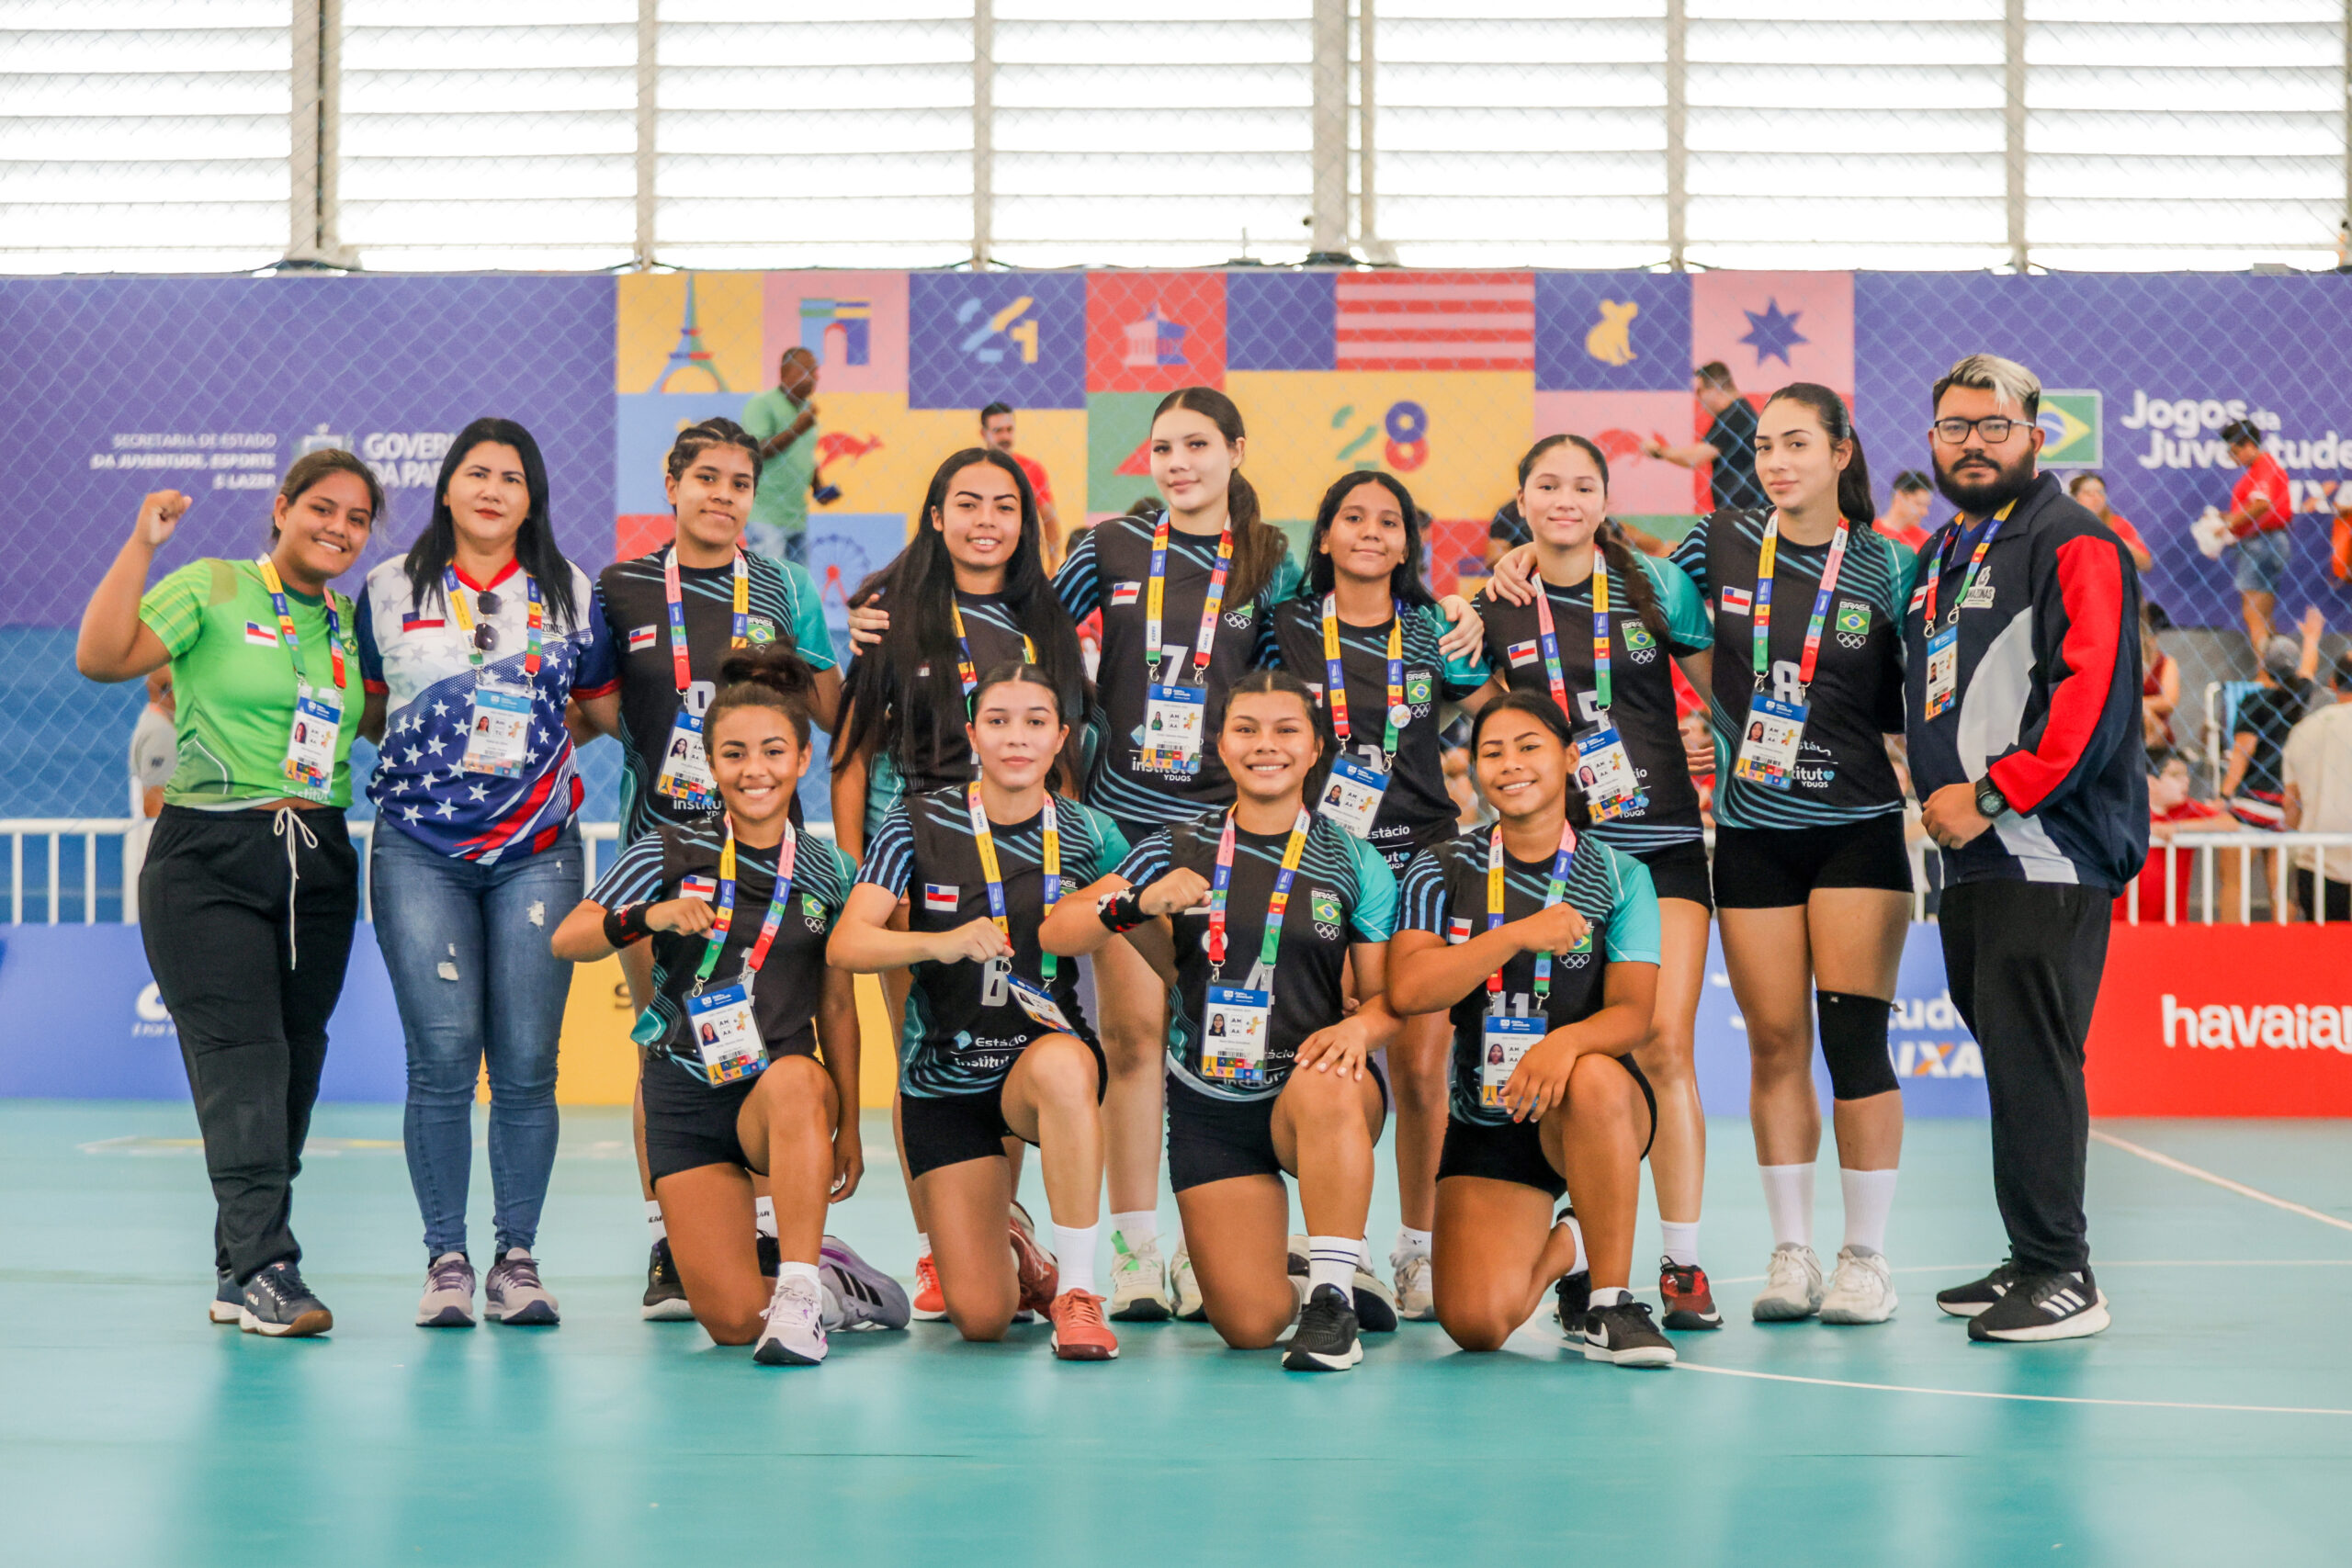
1679	871
948	1129
690	1123
1775	868
2262	561
1212	1139
1400	851
1513	1151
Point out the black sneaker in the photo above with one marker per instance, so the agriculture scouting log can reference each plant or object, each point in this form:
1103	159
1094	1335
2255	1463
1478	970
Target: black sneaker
2044	1306
228	1299
279	1304
1967	1301
770	1257
1626	1336
1575	1291
1325	1340
665	1299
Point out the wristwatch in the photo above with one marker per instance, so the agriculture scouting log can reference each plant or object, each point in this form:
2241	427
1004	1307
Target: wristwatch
1990	801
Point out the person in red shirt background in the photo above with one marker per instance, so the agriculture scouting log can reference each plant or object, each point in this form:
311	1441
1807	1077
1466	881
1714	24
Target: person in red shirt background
1907	510
995	430
2260	512
2171	810
2091	489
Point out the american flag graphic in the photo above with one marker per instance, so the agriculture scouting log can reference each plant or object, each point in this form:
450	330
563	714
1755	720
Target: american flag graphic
1436	321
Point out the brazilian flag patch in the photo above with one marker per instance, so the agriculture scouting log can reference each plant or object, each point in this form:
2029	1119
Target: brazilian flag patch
1327	907
1417	686
812	906
758	630
1637	636
1853	618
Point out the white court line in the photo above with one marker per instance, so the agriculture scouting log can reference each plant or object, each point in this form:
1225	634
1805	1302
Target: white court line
2240	1188
2027	1398
2103	1263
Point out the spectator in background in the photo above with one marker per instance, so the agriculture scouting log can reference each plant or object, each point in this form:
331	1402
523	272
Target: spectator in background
2171	809
2090	491
155	746
2251	781
1729	444
2159	687
2317	766
784	422
1506	531
995	430
1907	510
2260	512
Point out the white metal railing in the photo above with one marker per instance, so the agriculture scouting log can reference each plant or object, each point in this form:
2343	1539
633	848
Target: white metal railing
2283	853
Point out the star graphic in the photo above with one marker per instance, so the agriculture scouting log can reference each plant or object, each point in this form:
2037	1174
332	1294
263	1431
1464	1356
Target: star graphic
481	792
411	755
446	809
410	812
434	745
1774	332
439	707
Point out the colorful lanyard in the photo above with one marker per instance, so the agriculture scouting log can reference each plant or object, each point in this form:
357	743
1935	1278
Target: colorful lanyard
1155	596
1550	638
1943	564
1335	684
963	670
1763	619
726	917
286	627
676	596
1268	945
1552	894
985	841
466	621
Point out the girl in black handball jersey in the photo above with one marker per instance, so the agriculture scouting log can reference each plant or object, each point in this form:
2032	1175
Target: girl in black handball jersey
1543	941
1269	903
1812	884
1618	693
995	1045
739	913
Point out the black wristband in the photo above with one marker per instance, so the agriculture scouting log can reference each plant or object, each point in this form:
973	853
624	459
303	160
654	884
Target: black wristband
626	926
1121	912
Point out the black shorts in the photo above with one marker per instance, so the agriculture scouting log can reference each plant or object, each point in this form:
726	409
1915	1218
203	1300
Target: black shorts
1679	871
1773	868
948	1129
1398	850
1514	1150
1212	1139
690	1123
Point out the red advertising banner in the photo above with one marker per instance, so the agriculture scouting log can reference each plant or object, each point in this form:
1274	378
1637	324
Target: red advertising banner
2224	1020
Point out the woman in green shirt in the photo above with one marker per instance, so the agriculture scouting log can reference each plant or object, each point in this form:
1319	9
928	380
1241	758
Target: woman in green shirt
251	885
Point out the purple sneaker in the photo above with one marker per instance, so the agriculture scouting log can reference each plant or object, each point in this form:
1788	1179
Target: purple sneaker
857	1294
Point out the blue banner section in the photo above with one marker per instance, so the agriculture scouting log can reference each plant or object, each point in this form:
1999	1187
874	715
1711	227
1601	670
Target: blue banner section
1612	332
1015	337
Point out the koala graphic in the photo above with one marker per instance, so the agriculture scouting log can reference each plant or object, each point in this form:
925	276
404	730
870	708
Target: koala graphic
1611	340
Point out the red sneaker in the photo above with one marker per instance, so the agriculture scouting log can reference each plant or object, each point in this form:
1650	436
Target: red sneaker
931	1302
1039	1277
1080	1332
1689	1302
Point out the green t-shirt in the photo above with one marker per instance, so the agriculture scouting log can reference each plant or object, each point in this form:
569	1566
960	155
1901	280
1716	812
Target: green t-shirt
785	478
234	683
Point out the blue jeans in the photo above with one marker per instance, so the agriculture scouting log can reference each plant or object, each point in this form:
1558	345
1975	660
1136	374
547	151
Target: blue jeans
467	948
2262	561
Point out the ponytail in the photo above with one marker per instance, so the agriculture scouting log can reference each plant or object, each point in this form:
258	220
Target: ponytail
1854	500
769	676
1258	546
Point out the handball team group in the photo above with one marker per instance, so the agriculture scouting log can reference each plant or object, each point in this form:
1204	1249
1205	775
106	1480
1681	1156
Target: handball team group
1240	819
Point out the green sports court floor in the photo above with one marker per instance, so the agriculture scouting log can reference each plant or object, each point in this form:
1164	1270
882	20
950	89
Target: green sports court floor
2211	1425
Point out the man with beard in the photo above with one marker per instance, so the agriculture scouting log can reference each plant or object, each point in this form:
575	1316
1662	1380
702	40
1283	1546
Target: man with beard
2022	704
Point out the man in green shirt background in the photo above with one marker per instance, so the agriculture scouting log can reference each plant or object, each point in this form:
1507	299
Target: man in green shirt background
784	422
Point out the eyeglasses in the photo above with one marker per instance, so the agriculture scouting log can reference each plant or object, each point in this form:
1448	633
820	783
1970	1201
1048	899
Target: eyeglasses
1994	428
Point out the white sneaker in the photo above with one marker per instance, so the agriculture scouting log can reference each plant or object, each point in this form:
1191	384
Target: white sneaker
1792	1290
1191	1306
448	1300
1415	1301
795	1335
1862	1289
1138	1282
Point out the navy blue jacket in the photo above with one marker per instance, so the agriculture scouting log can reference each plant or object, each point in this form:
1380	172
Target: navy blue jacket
2049	697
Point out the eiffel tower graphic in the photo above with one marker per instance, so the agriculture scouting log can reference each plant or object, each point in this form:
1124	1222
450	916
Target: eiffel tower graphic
690	355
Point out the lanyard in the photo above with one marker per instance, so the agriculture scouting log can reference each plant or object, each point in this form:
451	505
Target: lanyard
1550	638
1268	945
1552	894
286	627
1335	684
1943	564
970	678
1156	594
776	900
985	841
678	613
1763	615
466	621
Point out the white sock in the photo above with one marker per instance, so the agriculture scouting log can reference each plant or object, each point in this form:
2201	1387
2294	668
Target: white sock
1074	1252
1870	1196
922	1244
764	1216
1610	1296
654	1218
1411	1243
799	1271
1787	1199
1575	1230
1138	1228
1331	1261
1682	1242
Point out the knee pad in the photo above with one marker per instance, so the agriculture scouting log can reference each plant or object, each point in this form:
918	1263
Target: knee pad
1853	1040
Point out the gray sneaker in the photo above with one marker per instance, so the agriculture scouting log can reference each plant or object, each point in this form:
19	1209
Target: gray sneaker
279	1304
856	1294
449	1294
512	1293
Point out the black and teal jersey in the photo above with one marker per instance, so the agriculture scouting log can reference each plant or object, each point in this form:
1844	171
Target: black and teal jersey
928	749
1445	894
782	607
963	1028
675	863
1843	774
1641	678
1342	894
1110	571
1416	801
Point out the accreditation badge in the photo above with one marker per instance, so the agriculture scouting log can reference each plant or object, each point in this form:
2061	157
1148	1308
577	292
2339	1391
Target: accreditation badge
1039	1004
685	773
1504	1041
499	739
1943	671
1233	1031
1173	720
1769	747
1351	797
726	1036
311	743
1605	772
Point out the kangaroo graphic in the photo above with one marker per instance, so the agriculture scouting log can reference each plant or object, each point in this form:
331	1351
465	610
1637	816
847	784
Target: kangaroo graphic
1611	338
